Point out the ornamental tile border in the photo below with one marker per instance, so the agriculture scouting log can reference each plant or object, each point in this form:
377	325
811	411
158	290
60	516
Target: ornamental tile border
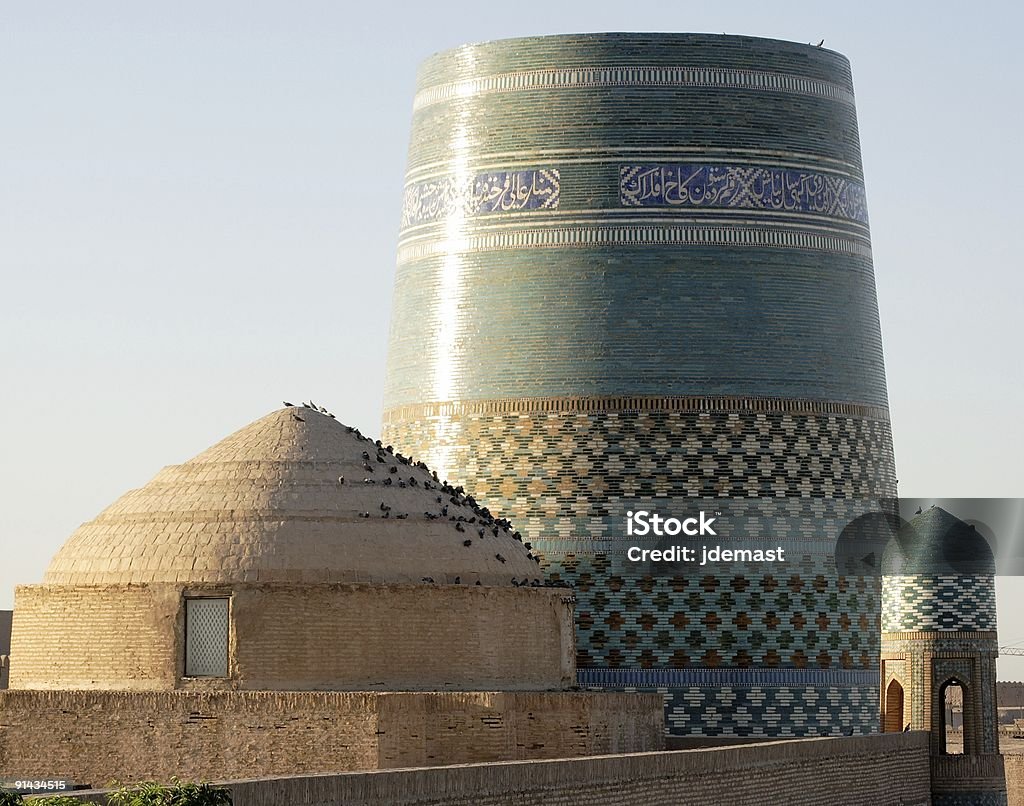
630	76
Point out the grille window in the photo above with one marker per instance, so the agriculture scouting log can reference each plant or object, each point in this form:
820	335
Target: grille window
206	638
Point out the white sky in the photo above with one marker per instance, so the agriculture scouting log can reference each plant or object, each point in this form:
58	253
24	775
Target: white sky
199	206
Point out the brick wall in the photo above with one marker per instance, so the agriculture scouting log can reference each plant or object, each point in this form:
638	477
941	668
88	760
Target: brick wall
1014	765
403	637
298	637
98	736
93	637
881	770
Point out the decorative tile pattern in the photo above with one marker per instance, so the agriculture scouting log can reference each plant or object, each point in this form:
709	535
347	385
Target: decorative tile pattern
740	629
793	711
631	404
679	236
491	192
743	187
632	76
717	678
577	464
938	602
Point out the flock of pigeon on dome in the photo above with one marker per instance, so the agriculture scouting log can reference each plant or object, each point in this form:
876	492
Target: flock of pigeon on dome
482	521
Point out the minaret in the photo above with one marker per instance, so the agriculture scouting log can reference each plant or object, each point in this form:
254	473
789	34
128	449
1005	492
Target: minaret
939	651
634	272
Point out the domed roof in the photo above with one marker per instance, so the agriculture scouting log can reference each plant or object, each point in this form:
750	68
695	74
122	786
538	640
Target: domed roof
294	497
937	542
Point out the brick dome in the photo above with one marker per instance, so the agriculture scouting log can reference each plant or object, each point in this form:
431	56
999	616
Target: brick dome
294	497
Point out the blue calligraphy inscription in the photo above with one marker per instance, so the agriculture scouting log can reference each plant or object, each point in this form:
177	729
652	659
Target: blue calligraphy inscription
742	187
505	191
492	192
429	201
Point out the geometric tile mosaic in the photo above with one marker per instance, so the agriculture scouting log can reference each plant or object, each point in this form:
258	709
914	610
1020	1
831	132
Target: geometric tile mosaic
565	479
938	602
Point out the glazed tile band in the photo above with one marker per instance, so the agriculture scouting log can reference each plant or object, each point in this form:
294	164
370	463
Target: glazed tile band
931	635
621	154
583	77
682	235
675	185
679	678
741	187
451	408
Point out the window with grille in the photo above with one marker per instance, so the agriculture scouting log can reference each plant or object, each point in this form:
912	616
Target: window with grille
206	638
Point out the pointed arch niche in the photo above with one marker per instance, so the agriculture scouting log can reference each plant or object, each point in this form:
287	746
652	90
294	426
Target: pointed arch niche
895	718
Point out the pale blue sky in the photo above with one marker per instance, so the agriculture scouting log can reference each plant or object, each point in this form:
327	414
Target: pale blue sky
199	205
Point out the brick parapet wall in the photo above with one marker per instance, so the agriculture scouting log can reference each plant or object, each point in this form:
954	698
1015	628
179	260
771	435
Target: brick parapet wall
883	770
96	737
1013	763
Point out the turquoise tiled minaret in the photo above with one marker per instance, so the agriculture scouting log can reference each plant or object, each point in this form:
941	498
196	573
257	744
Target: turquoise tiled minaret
635	269
939	630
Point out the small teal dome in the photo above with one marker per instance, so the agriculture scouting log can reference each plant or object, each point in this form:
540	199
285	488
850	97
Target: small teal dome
938	575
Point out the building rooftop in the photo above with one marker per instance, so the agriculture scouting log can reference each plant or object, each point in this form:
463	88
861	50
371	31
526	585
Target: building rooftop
295	497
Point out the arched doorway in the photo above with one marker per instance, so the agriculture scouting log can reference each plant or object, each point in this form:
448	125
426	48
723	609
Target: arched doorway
893	722
953	717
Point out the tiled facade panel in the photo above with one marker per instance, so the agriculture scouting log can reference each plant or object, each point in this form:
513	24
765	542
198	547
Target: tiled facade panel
680	308
798	711
938	602
797	114
628	320
575	464
562	120
570	476
576	51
